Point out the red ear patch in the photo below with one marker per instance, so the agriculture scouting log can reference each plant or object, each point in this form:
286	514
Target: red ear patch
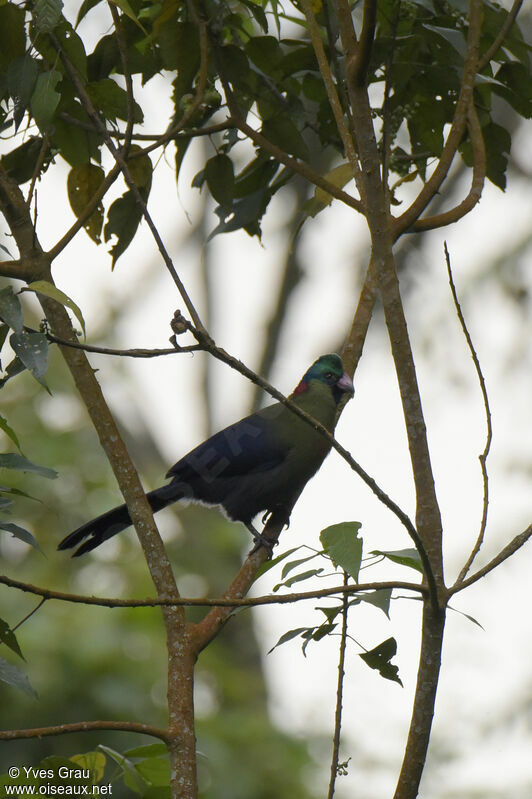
302	387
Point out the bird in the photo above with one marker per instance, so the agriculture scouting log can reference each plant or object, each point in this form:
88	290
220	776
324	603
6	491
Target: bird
259	464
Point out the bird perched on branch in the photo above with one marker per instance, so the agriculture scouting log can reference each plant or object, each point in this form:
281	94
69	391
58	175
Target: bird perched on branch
259	464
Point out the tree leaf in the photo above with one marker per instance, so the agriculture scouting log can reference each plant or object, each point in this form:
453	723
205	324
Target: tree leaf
32	349
342	545
381	599
49	290
339	177
379	658
11	309
9	431
21	163
8	637
125	7
406	557
289	636
155	770
123	219
111	100
19	532
12	460
46	15
132	778
298	578
149	750
220	178
293	564
94	762
12	33
82	184
13	676
45	99
280	130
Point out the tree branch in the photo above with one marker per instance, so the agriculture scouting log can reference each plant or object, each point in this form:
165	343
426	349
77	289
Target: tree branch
84	726
477	180
510	549
484	455
339	696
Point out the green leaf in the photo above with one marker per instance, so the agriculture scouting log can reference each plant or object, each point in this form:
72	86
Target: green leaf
32	349
8	637
125	7
111	100
49	290
21	78
141	170
293	564
12	33
82	184
19	532
11	309
9	431
21	163
339	177
94	762
85	8
132	778
455	37
46	15
342	545
123	219
269	564
406	557
289	636
150	750
220	179
13	368
12	460
381	599
45	99
280	130
155	770
298	578
379	658
13	676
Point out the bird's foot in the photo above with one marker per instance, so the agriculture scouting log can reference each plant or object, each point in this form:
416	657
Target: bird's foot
261	541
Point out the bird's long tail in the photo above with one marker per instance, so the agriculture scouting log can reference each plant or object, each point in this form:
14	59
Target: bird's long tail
98	530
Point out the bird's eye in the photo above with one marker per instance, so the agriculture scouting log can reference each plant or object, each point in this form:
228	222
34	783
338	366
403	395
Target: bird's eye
328	375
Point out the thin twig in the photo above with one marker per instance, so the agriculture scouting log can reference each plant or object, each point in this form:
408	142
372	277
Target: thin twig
128	353
29	615
501	36
477	180
339	694
489	432
84	726
510	549
330	86
206	602
130	99
40	160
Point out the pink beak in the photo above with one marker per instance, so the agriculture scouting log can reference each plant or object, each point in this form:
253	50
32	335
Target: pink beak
346	384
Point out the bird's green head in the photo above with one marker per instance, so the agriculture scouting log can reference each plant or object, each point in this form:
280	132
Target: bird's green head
329	370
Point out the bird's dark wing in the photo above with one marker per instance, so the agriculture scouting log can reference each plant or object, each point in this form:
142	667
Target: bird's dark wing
249	446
